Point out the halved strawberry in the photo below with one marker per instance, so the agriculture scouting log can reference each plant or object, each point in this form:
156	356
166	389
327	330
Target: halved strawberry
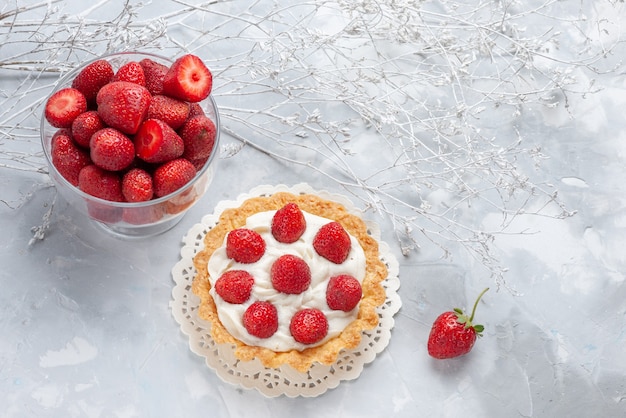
111	150
91	79
123	105
188	79
100	183
67	158
154	74
172	175
64	106
157	142
131	72
137	185
84	126
198	134
172	111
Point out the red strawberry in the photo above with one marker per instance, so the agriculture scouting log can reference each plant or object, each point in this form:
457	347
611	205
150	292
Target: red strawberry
111	150
198	134
261	319
343	293
290	274
309	326
332	242
84	126
92	78
131	72
123	105
157	142
174	112
244	245
235	286
137	185
199	163
288	224
154	74
195	110
188	79
453	334
100	183
172	175
64	106
67	158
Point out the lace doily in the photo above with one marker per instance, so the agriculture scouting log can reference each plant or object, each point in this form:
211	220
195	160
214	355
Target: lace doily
252	374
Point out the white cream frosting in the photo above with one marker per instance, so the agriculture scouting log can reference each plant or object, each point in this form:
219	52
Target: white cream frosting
287	305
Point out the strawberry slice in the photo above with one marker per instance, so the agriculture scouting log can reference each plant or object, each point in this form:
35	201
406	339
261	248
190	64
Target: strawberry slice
172	175
157	142
92	78
64	106
123	105
188	79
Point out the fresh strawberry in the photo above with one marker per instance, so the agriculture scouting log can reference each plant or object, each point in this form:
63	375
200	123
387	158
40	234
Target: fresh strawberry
261	319
157	142
244	245
123	105
84	126
332	242
67	158
309	326
137	185
195	109
111	150
174	112
235	286
100	183
343	293
64	106
453	334
92	78
198	134
131	72
154	74
288	224
188	79
199	163
172	175
290	274
143	215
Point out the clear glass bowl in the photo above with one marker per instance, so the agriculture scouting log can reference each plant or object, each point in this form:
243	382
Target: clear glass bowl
142	219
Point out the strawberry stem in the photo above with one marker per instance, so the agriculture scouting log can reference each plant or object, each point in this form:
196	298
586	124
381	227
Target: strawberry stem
476	304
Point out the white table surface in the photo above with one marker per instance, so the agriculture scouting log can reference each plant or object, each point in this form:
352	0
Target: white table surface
85	324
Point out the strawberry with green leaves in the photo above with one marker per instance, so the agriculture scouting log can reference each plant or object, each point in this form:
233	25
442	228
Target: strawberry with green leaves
453	333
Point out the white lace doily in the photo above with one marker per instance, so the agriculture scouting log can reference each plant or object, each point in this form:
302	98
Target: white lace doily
252	374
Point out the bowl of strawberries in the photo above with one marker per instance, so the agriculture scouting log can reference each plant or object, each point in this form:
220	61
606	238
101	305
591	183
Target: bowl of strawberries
132	139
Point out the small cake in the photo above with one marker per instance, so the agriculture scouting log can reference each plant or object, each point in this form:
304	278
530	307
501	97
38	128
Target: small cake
289	279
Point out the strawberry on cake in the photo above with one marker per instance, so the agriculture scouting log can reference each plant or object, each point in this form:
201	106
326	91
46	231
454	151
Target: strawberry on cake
289	279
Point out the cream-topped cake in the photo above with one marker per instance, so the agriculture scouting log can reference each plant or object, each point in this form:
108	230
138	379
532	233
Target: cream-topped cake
289	279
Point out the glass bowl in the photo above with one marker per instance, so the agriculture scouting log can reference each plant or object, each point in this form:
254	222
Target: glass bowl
141	219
